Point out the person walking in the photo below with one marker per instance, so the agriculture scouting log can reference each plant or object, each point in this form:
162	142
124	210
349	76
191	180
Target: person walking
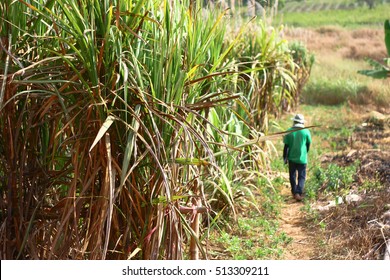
296	147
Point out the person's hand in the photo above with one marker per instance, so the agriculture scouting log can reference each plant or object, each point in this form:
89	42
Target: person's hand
285	161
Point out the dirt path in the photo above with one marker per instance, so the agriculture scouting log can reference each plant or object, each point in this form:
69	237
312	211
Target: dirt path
292	222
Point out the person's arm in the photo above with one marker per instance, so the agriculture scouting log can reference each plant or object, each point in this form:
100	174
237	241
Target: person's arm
285	153
308	141
308	146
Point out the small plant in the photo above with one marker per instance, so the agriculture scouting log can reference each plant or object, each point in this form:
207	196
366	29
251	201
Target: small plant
334	179
338	178
372	184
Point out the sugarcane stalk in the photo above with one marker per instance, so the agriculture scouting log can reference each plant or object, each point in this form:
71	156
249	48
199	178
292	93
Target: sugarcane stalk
194	250
2	91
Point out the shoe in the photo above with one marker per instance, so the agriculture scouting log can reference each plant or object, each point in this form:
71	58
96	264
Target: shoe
298	197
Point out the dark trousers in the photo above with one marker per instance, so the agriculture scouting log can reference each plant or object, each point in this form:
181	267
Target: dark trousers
294	168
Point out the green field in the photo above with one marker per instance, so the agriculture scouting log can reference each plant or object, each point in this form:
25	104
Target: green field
314	15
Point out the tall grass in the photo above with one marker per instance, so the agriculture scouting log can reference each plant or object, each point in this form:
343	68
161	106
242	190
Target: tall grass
119	116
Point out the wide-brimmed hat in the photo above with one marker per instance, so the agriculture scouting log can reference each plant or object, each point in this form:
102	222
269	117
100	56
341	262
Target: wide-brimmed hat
298	118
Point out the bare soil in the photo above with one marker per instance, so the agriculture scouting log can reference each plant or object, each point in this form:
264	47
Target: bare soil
294	224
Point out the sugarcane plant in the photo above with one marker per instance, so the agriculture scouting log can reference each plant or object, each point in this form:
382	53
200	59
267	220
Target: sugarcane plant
104	135
380	70
268	66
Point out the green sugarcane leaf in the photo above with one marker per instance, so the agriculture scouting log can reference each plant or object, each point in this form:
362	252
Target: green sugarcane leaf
191	161
130	144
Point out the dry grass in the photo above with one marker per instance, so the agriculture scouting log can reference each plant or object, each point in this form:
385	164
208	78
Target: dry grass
353	231
365	43
352	44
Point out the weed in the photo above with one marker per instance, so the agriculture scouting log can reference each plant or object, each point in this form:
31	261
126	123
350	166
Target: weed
285	238
338	178
322	225
277	164
332	179
278	181
373	184
253	237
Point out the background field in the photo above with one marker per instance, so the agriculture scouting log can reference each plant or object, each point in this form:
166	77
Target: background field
339	101
342	35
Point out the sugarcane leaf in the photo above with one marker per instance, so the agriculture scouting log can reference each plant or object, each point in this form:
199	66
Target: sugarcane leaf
135	252
130	144
191	161
106	125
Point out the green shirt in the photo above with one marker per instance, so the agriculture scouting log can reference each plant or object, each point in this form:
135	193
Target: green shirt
297	143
